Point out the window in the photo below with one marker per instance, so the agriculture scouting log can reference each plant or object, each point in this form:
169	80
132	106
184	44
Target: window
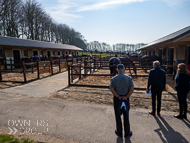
66	52
53	53
72	53
49	54
35	53
41	53
150	53
58	53
77	53
25	53
1	53
154	53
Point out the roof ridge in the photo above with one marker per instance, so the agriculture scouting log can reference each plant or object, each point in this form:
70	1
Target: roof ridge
33	40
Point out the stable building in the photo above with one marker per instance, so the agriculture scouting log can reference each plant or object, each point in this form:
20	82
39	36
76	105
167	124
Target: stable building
175	47
16	49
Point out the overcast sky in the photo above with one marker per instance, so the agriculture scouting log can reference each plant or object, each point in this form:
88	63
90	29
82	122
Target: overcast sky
121	21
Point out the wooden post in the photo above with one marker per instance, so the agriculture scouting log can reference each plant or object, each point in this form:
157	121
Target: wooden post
32	68
51	64
94	64
0	73
11	64
85	65
72	73
80	71
69	83
100	61
24	72
38	70
59	65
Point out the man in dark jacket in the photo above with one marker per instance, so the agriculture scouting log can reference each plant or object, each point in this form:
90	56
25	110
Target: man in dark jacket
157	80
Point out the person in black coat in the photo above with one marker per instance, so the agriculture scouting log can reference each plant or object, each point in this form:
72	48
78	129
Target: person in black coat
182	87
157	81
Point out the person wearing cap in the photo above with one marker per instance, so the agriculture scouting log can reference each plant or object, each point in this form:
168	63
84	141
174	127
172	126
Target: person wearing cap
121	87
157	81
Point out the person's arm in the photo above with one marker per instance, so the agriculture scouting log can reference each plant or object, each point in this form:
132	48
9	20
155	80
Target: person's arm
149	82
115	94
177	82
164	82
131	89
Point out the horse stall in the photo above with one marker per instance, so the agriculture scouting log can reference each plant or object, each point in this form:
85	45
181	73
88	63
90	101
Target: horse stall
97	74
30	71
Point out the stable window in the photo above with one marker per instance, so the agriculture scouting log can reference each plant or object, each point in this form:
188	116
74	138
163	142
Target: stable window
149	53
35	53
58	53
66	52
1	53
25	53
72	53
154	53
53	53
77	53
41	53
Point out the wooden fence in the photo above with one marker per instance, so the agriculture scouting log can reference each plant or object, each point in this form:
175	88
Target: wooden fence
39	67
90	67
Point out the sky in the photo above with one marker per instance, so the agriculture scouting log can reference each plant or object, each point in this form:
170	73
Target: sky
121	21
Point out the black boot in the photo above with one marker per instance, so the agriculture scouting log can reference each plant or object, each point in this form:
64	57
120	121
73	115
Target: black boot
185	111
180	116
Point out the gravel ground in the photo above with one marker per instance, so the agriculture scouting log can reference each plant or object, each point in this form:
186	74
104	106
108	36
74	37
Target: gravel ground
104	96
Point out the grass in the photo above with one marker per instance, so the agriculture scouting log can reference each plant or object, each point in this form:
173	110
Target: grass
102	54
12	139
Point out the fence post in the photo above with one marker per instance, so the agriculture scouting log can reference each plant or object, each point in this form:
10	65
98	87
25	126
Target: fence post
24	72
94	64
32	68
80	71
72	73
85	65
51	64
59	65
11	64
0	73
69	75
38	69
100	61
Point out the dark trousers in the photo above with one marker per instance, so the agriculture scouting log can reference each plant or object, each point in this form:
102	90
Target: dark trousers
156	92
118	118
182	97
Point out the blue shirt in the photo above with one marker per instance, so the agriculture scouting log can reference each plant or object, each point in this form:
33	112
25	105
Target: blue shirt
121	83
157	76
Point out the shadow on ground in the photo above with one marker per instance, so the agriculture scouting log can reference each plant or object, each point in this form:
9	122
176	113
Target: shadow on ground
167	134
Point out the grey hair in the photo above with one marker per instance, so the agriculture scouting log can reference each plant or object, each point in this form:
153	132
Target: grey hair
156	63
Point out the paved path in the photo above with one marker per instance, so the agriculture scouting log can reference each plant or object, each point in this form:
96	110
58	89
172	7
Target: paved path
42	87
78	122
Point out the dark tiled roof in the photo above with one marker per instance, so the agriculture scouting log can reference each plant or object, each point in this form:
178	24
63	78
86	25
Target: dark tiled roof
10	41
171	37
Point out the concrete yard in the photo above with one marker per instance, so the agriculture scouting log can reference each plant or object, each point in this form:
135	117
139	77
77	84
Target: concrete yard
28	109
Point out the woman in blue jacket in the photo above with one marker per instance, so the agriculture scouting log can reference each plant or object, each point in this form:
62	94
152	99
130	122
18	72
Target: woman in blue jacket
182	87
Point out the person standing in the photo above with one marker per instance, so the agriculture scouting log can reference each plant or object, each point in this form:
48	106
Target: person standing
121	87
182	87
157	81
